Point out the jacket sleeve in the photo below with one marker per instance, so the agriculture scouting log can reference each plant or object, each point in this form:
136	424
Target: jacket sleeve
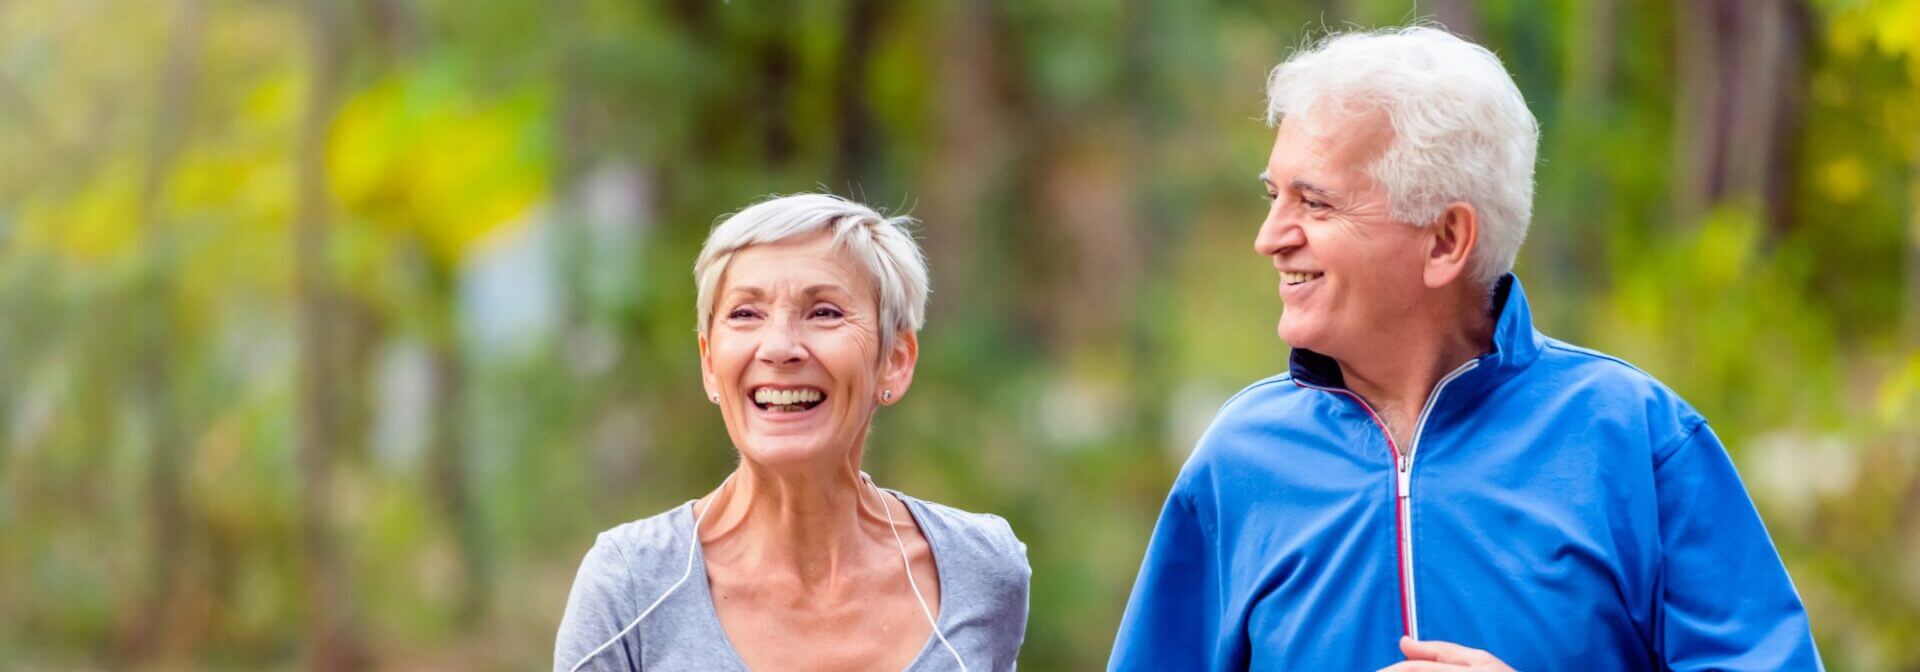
597	611
1172	621
1725	600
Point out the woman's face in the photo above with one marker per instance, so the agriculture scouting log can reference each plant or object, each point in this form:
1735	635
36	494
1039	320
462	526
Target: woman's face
793	353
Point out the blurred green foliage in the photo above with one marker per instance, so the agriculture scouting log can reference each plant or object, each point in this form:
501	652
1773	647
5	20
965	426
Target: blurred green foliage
514	193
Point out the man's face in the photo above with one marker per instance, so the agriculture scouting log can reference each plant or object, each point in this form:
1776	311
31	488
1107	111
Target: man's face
1347	269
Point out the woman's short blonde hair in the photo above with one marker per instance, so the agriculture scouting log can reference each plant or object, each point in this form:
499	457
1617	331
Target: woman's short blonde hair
881	244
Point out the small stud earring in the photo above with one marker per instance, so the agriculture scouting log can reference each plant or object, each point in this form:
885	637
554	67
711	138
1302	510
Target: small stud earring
886	395
715	397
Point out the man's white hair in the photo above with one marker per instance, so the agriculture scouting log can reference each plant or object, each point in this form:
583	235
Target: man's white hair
880	244
1462	131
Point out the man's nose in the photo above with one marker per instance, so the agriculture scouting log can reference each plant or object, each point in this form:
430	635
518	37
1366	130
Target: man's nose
1280	233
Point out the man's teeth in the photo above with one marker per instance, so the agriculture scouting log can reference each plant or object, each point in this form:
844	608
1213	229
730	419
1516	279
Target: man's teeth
771	397
1292	278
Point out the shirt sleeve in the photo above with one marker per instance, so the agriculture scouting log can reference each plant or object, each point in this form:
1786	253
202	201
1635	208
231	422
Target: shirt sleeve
1172	621
597	610
1726	602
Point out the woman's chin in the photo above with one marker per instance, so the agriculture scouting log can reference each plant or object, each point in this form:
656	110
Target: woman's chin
793	451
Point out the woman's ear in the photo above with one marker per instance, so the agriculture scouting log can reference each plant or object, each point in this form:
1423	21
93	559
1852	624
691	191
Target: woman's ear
707	380
896	369
1453	237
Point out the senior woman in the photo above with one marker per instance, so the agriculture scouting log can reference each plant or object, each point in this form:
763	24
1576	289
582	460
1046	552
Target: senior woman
809	309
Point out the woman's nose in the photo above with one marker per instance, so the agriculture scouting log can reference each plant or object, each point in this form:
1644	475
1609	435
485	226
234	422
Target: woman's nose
782	343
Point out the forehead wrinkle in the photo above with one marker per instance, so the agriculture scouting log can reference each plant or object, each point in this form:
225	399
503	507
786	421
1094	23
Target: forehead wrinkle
823	288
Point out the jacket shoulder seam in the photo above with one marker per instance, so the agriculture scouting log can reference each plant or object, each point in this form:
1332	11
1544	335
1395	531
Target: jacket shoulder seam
1595	354
1673	446
1272	380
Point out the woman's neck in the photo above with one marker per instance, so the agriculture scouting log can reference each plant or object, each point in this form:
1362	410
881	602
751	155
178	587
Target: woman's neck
814	525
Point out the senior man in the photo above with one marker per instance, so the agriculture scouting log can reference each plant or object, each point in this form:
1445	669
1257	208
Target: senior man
1434	485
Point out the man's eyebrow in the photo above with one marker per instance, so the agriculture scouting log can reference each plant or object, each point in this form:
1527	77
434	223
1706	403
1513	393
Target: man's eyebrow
1302	185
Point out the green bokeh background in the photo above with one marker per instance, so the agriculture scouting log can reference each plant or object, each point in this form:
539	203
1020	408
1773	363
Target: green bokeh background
331	332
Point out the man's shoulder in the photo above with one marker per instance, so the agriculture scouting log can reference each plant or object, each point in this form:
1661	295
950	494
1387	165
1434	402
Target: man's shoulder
1258	399
1255	419
1605	385
1572	365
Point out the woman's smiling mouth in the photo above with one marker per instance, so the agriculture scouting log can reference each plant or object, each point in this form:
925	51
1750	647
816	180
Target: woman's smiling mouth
787	399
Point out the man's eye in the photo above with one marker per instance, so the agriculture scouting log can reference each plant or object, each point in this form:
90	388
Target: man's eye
826	312
1313	204
1272	196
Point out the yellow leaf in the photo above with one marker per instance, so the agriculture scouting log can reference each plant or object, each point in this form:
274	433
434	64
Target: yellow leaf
1843	179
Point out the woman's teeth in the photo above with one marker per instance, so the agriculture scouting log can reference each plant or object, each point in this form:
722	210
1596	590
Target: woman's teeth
787	400
1297	278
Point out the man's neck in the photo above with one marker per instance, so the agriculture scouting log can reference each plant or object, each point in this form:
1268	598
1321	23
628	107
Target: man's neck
1397	372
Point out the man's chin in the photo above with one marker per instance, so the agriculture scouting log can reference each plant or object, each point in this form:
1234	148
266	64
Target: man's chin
1295	335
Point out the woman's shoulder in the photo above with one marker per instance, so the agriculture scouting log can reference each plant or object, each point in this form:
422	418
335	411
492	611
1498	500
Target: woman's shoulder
982	535
647	542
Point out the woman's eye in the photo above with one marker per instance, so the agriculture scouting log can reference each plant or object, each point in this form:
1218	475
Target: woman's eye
740	314
827	313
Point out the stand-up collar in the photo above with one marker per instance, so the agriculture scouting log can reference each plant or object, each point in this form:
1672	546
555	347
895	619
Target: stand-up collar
1515	345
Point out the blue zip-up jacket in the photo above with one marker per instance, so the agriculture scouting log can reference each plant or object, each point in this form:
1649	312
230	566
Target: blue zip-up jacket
1556	507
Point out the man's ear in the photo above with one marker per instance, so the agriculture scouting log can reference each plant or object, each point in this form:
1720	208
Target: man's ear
1452	239
896	372
707	380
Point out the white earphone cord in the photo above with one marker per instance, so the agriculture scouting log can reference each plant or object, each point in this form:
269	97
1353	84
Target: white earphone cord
908	566
663	596
695	545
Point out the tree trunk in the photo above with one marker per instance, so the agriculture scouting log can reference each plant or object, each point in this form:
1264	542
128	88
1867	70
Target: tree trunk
1460	17
1909	440
1742	77
778	63
166	514
853	160
447	451
1593	58
329	644
969	147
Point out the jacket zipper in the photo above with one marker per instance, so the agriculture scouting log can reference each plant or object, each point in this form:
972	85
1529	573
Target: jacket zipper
1403	479
1406	505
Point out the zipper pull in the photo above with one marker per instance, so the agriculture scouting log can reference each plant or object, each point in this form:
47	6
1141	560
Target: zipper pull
1406	482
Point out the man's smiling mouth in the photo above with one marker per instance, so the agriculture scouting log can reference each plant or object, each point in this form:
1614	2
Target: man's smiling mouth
1292	278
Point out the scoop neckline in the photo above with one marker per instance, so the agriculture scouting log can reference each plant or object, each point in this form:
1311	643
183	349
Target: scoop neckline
914	509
